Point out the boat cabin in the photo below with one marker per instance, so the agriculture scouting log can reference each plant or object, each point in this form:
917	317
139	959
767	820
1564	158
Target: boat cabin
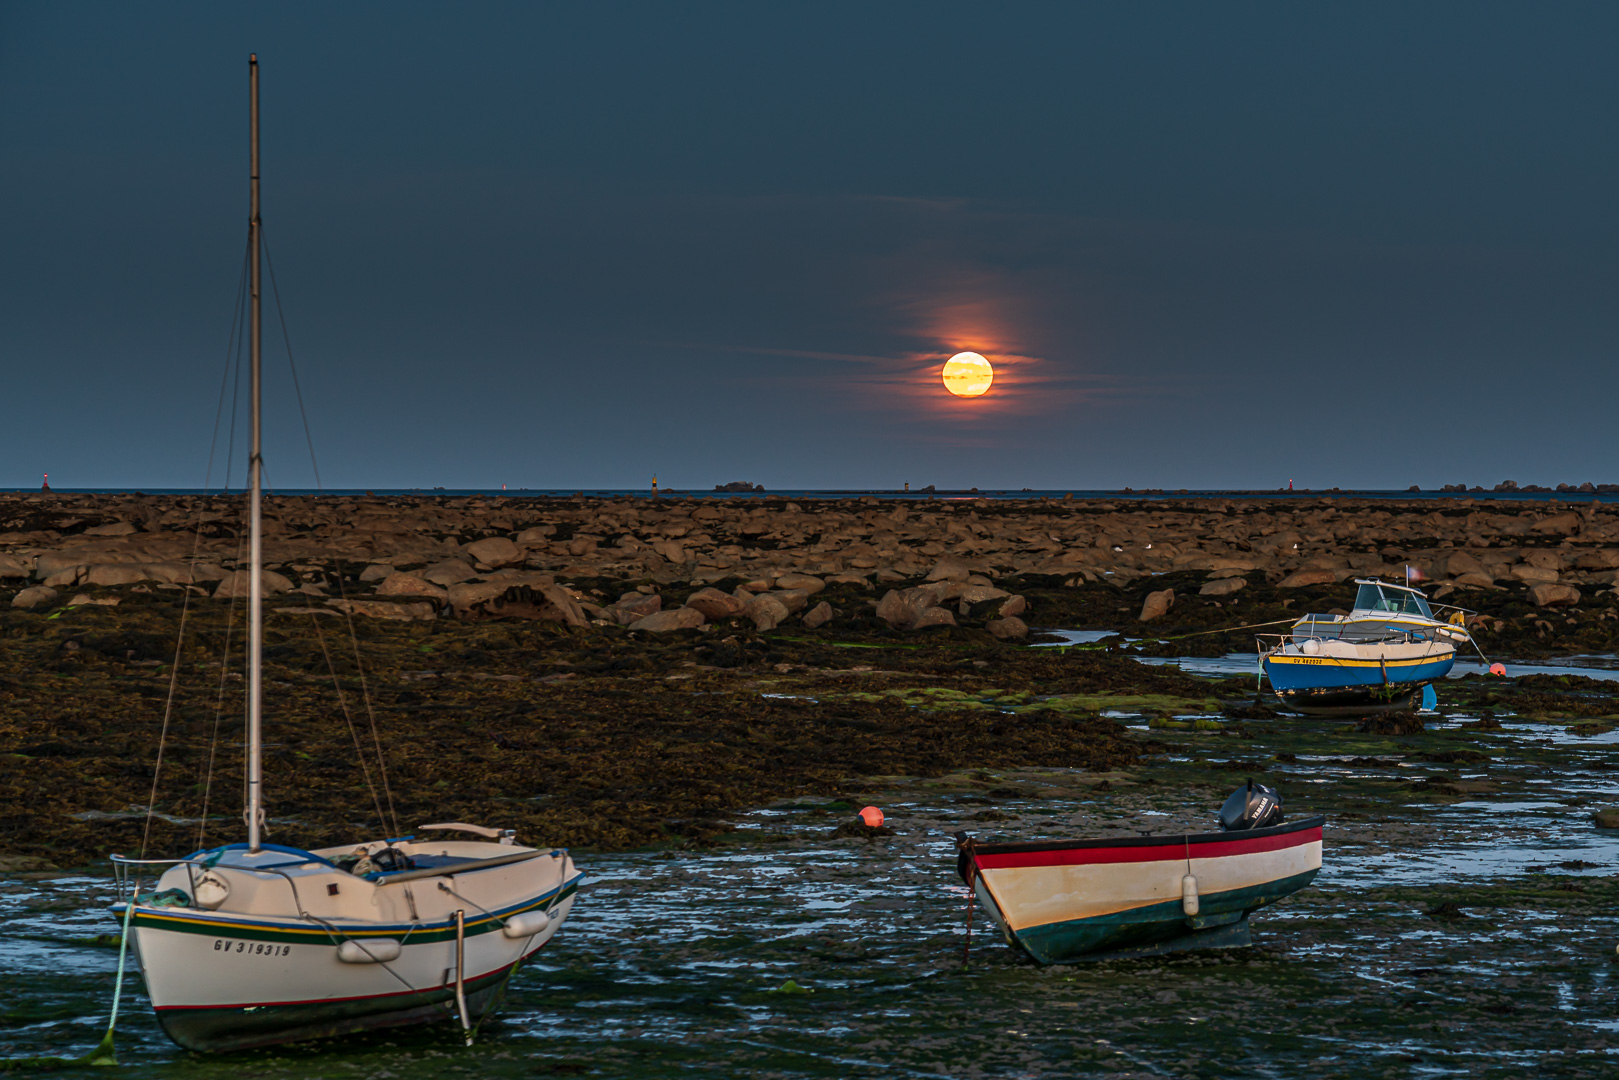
1399	599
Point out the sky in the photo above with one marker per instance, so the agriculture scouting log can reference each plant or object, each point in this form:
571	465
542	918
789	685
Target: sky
579	245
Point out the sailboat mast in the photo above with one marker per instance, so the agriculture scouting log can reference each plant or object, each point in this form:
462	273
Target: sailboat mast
255	466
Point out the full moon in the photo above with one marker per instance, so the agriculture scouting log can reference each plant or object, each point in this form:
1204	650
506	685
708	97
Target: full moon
967	374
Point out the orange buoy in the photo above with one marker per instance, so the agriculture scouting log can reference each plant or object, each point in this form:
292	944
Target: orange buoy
1498	669
871	817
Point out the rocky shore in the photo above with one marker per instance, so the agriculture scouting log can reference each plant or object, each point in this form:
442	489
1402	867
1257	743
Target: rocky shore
620	673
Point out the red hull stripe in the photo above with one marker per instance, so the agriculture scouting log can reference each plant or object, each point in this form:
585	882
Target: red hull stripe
1158	853
362	997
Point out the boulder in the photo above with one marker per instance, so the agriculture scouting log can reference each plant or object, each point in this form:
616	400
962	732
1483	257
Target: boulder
1602	559
1015	605
398	584
448	572
47	563
893	610
1298	579
1548	594
804	583
1223	586
16	566
1561	524
1476	581
1534	575
115	574
949	569
1548	559
567	607
238	583
1606	818
384	609
977	594
632	607
661	622
1010	628
496	551
68	575
376	572
819	615
765	611
536	536
673	550
86	600
33	597
1458	563
465	595
794	600
117	528
1156	605
715	604
933	616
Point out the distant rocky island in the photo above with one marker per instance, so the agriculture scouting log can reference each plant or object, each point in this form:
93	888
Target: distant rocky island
741	487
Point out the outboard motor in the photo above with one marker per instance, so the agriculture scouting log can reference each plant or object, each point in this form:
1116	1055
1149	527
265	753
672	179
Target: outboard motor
1253	806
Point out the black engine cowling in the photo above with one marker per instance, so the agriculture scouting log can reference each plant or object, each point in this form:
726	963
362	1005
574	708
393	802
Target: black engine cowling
1253	806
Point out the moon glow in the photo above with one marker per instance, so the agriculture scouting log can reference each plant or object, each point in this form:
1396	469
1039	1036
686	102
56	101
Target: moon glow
967	374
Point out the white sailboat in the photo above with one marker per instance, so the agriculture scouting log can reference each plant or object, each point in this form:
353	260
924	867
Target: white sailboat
251	944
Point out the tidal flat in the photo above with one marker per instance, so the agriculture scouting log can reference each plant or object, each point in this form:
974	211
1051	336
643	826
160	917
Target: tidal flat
734	922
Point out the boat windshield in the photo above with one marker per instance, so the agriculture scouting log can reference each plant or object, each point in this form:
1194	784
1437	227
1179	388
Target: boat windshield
1374	598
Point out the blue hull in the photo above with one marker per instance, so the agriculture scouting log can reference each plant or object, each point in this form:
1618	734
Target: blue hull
1325	685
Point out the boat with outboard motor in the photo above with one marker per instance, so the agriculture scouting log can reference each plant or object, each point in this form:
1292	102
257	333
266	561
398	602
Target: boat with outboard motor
1383	656
252	944
1066	900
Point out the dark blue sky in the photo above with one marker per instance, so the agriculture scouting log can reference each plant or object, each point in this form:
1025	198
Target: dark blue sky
574	245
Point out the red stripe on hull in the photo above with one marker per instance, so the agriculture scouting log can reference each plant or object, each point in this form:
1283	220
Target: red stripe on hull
1155	853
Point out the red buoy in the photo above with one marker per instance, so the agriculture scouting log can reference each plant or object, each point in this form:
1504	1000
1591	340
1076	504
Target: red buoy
872	817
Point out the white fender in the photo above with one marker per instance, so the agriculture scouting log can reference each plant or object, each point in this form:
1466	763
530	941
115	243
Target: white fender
368	950
527	924
1189	895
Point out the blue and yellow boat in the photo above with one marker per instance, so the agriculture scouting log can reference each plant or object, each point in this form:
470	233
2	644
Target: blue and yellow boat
1378	658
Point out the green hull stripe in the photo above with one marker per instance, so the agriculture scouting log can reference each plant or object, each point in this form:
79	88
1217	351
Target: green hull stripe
1055	942
180	923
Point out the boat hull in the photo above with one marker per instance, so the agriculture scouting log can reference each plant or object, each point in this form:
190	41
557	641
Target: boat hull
1107	899
232	980
1335	685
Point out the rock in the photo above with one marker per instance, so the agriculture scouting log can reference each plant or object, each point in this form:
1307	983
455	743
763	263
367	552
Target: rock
1156	605
1223	586
977	594
16	566
1010	628
1552	595
115	574
86	600
238	583
536	536
376	572
1476	581
1607	817
949	569
383	609
632	607
1015	605
33	597
819	615
465	595
496	551
448	572
1548	559
715	604
765	611
66	576
47	563
1534	575
1298	579
661	622
673	550
804	583
933	616
398	584
1563	524
794	600
1458	563
117	528
893	610
25	864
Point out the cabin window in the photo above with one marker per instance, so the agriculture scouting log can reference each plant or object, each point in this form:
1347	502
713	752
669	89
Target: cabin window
1371	598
